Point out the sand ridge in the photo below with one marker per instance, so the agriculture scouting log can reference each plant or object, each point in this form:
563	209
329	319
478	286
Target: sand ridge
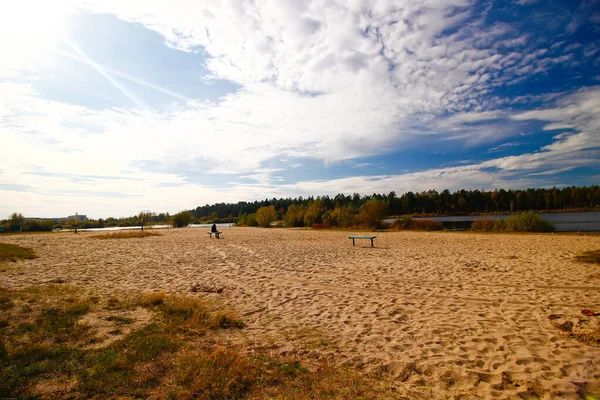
444	314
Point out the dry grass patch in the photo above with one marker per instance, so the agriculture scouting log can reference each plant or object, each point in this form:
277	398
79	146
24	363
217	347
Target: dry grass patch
49	349
13	252
581	328
126	235
32	233
591	257
187	315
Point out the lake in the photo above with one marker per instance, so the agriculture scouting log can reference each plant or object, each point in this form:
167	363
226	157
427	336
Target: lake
122	228
562	222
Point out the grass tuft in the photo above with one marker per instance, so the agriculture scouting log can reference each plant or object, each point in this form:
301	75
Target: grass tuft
591	257
13	252
126	235
153	299
217	372
189	315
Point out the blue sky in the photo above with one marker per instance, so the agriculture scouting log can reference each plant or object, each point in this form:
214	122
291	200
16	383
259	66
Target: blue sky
111	107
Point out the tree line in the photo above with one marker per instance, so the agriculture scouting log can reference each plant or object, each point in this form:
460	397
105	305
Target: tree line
429	202
346	210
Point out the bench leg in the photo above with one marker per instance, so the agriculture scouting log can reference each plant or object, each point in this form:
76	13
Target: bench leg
372	243
217	235
352	241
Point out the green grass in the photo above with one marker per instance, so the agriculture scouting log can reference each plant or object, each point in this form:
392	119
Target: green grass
591	257
126	235
13	252
187	351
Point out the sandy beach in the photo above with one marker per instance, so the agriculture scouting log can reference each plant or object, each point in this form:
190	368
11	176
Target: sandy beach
440	314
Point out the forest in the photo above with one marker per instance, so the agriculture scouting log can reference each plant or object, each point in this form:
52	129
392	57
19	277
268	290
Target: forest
345	210
430	203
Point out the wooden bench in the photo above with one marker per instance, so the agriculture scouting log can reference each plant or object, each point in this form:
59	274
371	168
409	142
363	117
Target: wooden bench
217	234
362	237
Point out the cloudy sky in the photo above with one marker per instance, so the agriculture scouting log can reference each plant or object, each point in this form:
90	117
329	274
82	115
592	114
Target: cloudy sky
110	107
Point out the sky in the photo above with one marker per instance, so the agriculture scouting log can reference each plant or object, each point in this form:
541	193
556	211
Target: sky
111	107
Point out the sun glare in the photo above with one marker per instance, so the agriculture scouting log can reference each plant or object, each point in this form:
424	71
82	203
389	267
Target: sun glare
29	30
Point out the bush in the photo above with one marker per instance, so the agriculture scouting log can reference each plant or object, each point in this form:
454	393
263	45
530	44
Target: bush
295	216
324	225
407	223
181	219
529	221
265	215
248	220
343	216
383	225
372	212
427	225
314	213
37	225
485	224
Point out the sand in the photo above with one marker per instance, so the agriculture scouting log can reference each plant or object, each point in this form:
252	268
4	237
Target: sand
440	314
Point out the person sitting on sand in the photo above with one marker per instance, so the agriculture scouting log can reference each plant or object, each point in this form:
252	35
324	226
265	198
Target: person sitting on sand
213	228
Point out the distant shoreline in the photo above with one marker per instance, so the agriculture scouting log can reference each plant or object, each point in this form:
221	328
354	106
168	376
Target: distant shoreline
484	213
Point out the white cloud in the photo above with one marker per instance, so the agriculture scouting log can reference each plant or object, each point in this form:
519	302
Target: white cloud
525	2
580	112
326	80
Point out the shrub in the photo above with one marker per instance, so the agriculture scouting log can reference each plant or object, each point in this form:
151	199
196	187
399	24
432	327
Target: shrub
248	220
343	216
295	215
372	212
37	225
427	225
383	225
181	219
407	223
485	224
325	225
528	221
265	215
314	213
